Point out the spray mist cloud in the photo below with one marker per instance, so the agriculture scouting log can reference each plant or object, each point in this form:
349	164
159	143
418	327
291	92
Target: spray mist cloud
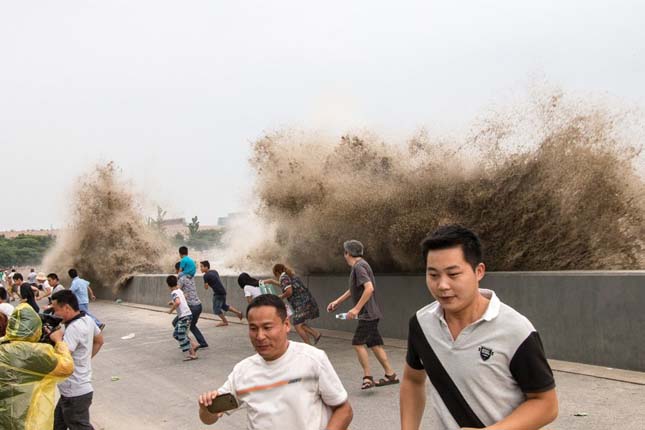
108	239
553	187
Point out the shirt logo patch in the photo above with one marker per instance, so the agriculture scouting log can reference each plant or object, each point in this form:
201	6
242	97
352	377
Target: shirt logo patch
485	353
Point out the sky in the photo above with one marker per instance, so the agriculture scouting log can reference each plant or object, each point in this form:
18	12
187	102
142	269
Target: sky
175	92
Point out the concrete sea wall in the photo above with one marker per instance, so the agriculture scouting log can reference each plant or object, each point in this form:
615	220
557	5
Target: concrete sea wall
587	317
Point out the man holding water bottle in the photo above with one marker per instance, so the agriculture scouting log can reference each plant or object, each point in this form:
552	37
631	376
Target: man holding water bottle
368	313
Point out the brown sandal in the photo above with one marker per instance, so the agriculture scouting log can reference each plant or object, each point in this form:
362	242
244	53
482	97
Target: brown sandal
368	382
388	380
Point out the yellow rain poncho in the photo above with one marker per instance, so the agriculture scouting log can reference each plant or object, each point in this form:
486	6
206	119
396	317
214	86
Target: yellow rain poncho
29	372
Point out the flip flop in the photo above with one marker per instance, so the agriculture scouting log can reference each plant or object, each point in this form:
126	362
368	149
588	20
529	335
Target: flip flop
190	358
368	382
389	380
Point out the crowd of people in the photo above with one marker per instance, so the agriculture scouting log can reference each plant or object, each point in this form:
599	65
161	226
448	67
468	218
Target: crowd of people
485	361
34	356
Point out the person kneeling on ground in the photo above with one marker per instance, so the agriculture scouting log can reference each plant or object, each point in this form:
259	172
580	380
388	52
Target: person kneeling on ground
312	397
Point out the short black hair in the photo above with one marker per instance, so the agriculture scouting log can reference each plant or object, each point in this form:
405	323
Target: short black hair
53	276
206	264
268	300
3	294
17	276
183	250
171	280
72	273
453	235
66	297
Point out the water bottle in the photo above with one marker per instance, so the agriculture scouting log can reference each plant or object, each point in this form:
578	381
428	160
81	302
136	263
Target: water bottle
342	316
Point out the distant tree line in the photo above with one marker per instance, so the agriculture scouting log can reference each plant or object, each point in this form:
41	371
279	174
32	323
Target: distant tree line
24	249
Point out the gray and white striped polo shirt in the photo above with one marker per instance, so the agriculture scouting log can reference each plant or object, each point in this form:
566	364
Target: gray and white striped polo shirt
493	361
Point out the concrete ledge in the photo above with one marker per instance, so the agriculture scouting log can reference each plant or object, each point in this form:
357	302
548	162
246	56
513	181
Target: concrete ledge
620	375
591	317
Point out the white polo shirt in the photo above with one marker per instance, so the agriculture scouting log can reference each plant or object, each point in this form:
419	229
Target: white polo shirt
493	362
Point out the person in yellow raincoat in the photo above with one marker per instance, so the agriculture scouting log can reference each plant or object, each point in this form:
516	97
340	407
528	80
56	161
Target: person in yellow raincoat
29	372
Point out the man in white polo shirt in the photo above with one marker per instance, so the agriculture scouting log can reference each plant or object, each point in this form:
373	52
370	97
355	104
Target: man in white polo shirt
286	385
84	340
485	361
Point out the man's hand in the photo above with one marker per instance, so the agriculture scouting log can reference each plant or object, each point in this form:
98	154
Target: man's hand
93	297
205	400
352	314
56	336
332	306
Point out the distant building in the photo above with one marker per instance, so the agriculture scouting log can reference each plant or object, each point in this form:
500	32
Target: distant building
174	226
228	219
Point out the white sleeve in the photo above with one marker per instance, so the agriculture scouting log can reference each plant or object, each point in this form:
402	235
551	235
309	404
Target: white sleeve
331	388
229	386
247	291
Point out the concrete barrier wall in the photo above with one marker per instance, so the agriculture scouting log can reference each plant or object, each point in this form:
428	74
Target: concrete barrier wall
587	317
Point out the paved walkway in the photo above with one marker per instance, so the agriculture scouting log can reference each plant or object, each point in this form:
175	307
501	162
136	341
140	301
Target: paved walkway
156	390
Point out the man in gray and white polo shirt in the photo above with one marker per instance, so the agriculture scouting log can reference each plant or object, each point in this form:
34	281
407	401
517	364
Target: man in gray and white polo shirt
84	340
485	361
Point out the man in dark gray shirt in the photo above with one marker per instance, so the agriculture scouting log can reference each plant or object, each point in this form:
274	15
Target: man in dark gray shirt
212	279
368	313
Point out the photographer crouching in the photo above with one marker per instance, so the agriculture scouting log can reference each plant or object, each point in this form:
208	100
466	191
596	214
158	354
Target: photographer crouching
29	371
84	340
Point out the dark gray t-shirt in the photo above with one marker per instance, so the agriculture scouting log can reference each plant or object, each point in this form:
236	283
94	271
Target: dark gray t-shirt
361	274
213	280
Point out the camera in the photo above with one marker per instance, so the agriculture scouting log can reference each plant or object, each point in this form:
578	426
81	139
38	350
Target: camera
51	323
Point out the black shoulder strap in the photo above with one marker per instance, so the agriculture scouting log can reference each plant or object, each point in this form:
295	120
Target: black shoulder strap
80	314
443	383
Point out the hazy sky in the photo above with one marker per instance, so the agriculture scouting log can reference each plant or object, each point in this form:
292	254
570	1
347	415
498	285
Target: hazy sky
174	92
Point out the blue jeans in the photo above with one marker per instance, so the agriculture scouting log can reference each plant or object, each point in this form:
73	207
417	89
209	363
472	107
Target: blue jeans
85	307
